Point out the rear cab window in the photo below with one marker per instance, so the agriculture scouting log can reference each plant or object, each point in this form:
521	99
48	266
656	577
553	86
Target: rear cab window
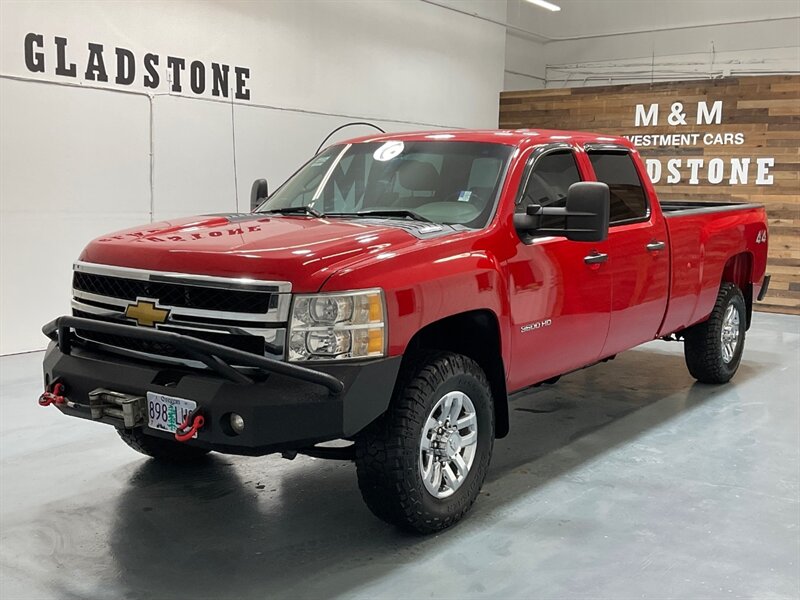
616	169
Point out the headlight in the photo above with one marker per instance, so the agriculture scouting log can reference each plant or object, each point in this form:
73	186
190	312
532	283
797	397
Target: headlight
340	326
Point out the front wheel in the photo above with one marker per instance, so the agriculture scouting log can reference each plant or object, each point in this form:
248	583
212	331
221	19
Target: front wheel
713	349
421	465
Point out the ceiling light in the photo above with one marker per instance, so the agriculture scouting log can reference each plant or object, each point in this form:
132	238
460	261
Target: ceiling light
546	4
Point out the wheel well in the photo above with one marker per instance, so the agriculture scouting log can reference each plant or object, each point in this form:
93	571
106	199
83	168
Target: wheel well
739	271
475	334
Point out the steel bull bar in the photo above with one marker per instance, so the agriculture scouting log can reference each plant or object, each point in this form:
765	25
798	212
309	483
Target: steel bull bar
215	356
218	358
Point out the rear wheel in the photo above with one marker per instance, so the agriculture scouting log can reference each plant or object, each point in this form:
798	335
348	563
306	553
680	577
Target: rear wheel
421	465
713	349
161	449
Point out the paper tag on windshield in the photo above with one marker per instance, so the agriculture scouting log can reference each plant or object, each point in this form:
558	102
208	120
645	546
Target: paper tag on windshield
388	151
464	196
318	162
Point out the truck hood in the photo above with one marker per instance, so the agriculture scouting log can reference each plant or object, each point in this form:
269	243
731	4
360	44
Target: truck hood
302	250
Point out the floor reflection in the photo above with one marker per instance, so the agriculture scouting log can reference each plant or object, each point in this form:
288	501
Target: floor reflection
266	527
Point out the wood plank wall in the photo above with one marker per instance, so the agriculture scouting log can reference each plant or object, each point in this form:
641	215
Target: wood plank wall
764	110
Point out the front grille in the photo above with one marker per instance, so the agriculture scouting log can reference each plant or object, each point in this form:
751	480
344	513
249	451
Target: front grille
176	294
244	314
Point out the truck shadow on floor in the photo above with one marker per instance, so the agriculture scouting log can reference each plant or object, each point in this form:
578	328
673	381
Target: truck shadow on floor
267	527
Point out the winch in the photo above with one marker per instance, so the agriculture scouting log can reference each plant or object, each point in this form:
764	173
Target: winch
126	407
129	409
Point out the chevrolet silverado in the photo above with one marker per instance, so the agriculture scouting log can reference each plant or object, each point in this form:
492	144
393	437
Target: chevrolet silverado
393	293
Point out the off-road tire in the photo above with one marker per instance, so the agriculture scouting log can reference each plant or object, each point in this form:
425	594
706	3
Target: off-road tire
387	451
160	449
702	346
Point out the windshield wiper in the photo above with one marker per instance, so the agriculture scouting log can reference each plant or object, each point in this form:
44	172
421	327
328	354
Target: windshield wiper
400	212
294	210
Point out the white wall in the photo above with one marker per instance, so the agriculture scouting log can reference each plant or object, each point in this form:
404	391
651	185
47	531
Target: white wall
76	162
525	63
57	190
595	42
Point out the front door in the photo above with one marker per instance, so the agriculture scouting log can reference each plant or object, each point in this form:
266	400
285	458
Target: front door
560	290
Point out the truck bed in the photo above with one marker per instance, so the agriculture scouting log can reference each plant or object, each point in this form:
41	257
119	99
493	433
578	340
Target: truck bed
707	240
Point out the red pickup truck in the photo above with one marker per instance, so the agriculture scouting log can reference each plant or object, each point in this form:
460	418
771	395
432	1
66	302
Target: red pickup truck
393	293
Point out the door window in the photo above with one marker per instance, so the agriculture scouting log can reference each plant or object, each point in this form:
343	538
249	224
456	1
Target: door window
617	170
549	183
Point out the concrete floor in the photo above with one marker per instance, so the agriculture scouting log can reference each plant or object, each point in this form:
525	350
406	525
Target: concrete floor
626	480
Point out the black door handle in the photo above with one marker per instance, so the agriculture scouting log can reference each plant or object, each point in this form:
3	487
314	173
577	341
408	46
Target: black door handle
595	258
656	246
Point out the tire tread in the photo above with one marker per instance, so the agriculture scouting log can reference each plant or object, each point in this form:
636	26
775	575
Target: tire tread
701	342
385	449
160	449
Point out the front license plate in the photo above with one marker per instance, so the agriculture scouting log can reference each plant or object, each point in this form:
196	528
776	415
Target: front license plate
167	412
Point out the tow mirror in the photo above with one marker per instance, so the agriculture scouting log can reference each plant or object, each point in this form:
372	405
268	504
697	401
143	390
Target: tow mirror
258	193
585	217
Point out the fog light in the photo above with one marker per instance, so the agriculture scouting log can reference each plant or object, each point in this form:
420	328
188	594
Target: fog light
237	423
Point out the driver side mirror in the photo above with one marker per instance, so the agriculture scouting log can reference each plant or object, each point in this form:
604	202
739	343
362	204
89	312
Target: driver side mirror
586	215
258	193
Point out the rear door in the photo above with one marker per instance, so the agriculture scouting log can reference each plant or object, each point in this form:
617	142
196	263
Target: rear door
638	250
560	290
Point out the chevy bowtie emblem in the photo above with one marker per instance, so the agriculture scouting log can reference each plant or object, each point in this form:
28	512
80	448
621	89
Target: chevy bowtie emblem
146	313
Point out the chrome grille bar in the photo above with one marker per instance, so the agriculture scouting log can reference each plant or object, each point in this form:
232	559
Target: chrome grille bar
238	283
272	316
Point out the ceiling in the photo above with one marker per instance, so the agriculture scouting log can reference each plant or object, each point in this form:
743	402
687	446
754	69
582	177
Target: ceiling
582	18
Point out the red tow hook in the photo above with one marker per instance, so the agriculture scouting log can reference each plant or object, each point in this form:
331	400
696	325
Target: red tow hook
185	431
54	395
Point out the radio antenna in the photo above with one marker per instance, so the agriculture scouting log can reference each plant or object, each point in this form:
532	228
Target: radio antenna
364	123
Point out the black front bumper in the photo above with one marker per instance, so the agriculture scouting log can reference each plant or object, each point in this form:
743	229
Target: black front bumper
284	406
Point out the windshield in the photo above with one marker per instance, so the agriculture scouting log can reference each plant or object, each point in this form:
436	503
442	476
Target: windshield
440	181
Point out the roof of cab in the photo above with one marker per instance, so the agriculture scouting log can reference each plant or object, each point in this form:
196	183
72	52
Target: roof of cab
512	137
